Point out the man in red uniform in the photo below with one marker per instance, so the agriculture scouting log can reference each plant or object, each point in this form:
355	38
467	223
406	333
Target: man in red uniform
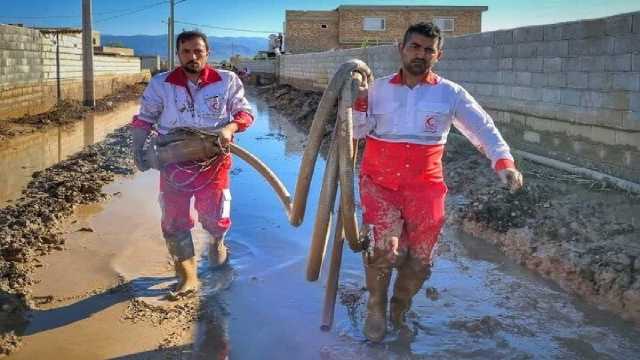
406	118
193	96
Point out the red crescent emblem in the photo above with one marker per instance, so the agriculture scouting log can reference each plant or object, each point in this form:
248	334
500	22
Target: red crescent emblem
429	121
429	124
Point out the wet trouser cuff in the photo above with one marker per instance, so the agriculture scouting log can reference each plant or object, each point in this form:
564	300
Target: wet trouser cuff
180	245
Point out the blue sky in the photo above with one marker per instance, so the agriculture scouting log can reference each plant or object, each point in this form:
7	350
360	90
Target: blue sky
119	17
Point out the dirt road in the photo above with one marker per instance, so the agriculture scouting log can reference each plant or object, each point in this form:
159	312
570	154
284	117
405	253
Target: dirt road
99	297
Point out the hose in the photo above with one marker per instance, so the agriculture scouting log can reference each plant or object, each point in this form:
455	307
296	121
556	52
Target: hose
352	76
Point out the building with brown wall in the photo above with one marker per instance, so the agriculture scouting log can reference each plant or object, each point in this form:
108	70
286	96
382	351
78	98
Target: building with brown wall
351	26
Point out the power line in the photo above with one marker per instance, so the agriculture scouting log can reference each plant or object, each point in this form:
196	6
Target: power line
122	11
40	17
133	11
223	28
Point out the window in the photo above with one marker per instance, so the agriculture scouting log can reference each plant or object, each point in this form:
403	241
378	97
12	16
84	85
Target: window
373	24
323	26
445	24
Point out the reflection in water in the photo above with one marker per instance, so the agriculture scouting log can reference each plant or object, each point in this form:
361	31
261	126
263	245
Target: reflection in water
23	155
212	334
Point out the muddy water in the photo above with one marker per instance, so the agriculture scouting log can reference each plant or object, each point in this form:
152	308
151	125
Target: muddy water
478	304
39	150
481	305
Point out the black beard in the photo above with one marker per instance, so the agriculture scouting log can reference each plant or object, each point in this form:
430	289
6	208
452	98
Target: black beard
189	69
416	69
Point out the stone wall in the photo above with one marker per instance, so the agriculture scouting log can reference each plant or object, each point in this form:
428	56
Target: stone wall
29	75
569	91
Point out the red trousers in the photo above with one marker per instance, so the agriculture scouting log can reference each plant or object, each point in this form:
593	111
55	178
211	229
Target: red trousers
406	222
210	190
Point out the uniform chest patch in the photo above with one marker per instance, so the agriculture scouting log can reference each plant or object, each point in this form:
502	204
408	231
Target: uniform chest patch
430	124
214	103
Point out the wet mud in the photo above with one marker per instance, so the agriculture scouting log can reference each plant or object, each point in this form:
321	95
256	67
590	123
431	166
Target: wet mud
478	304
297	105
31	226
582	233
67	112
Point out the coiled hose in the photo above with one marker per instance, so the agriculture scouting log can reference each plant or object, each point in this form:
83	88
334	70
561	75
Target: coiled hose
351	77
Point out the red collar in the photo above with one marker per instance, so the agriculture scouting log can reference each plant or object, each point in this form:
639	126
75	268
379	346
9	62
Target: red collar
208	75
430	78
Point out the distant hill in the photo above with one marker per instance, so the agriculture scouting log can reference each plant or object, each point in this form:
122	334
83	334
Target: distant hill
157	45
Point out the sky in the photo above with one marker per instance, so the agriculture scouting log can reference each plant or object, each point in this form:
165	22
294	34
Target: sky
256	18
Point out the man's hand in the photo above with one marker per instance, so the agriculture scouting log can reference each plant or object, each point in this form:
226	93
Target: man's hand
512	178
226	133
360	101
139	136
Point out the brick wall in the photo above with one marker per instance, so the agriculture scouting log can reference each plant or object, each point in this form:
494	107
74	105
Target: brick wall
397	20
568	91
28	72
305	32
313	31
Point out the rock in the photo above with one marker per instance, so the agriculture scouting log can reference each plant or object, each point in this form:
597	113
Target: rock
487	325
621	262
432	293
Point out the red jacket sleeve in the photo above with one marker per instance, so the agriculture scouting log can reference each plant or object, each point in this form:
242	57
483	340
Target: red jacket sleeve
139	123
502	164
243	119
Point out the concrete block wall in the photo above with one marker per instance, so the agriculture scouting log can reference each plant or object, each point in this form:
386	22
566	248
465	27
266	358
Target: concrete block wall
267	66
569	91
312	71
29	75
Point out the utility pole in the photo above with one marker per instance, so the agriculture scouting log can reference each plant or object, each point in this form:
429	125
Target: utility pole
87	55
172	50
169	44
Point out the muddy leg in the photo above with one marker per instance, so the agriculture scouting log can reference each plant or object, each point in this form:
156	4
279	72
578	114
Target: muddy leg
181	249
377	279
214	207
218	252
411	275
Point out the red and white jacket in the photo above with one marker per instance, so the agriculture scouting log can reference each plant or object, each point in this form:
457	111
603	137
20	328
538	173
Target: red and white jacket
406	129
171	100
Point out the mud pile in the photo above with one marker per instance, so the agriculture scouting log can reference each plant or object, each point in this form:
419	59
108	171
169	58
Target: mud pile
297	105
31	226
66	112
579	232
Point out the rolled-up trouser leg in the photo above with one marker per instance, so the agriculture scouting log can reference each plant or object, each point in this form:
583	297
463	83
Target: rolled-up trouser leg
411	275
180	245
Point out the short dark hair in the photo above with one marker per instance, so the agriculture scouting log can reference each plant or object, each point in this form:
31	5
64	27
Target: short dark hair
427	29
188	35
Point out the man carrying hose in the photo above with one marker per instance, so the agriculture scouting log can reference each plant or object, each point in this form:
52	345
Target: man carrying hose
406	118
193	96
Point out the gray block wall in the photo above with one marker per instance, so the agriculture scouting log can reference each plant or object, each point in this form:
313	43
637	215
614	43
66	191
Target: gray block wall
29	75
570	91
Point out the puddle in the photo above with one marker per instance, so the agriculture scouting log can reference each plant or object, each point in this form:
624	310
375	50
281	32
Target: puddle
478	304
26	154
